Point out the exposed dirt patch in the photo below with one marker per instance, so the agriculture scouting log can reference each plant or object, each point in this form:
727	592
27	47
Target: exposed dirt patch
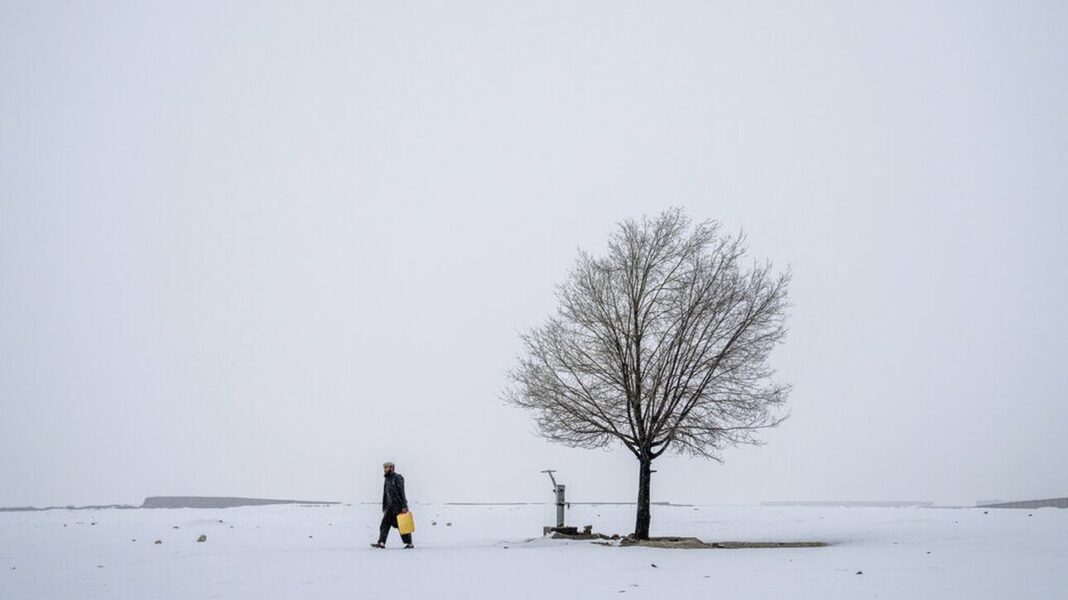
682	543
579	536
692	543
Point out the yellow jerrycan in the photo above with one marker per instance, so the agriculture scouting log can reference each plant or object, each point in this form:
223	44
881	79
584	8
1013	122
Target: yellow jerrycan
406	523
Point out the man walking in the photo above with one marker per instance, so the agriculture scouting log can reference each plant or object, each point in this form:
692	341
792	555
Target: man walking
394	503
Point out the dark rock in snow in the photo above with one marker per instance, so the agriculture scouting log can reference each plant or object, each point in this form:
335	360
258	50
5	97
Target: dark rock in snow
860	572
202	538
158	542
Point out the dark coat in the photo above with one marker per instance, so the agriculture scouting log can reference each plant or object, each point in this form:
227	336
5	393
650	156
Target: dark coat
393	498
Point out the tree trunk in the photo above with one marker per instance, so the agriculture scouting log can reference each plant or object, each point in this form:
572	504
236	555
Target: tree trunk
645	474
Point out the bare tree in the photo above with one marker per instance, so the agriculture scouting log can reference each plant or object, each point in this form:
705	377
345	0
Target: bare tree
660	345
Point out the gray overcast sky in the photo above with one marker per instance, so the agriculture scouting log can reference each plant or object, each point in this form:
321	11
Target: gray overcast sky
257	248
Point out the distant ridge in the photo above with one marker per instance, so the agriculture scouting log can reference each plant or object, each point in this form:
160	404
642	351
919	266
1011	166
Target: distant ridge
216	502
855	503
611	503
1051	502
90	507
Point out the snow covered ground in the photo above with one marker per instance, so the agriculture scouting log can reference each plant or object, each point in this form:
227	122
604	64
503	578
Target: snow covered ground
497	552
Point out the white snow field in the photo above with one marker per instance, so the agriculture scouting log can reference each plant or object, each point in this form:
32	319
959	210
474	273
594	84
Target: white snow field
297	552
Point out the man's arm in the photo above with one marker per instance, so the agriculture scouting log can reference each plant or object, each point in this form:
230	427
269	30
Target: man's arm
383	498
400	488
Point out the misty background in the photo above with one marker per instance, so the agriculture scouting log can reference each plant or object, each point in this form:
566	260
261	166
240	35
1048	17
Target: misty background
257	248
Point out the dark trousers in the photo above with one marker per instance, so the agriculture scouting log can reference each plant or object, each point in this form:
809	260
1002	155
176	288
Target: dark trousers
389	519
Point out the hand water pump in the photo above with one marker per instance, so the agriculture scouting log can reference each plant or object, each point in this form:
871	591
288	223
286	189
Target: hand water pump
558	489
